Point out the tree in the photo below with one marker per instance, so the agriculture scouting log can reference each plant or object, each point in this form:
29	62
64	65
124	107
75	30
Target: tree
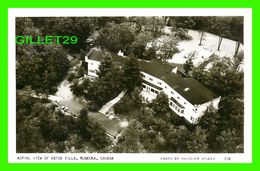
116	37
181	140
202	35
91	131
130	141
80	72
99	139
28	136
237	31
167	48
105	66
224	79
115	80
104	21
106	88
230	27
177	120
137	99
202	24
150	53
220	125
184	22
25	27
82	123
131	75
71	77
38	125
153	25
81	27
53	131
238	59
176	140
211	122
138	47
230	141
129	104
29	139
80	89
124	106
182	34
41	67
160	105
188	66
222	28
152	141
221	78
76	89
197	142
231	111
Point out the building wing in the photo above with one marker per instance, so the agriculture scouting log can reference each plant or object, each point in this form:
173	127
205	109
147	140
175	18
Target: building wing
188	88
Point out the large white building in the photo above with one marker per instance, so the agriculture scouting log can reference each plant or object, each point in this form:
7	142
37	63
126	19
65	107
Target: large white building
187	97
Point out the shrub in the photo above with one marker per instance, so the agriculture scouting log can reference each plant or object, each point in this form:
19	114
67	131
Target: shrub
182	34
71	77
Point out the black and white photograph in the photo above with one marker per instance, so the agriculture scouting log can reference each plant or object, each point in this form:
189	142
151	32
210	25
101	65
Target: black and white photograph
130	84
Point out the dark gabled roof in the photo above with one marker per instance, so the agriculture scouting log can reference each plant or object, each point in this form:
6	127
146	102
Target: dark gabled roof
196	93
98	55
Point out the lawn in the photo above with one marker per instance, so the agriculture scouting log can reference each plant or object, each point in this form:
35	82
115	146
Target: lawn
111	126
209	47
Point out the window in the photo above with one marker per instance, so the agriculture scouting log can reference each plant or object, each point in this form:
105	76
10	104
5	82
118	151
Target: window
150	79
178	97
182	111
159	83
185	103
165	86
152	90
144	86
172	92
92	71
191	118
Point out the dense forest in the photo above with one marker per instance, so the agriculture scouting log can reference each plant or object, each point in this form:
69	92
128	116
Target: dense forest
153	127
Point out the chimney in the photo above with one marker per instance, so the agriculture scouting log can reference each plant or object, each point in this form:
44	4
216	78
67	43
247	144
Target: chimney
174	70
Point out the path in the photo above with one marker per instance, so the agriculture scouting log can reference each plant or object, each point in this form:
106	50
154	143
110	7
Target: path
105	108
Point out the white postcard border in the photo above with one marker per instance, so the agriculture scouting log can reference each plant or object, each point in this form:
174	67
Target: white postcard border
14	157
